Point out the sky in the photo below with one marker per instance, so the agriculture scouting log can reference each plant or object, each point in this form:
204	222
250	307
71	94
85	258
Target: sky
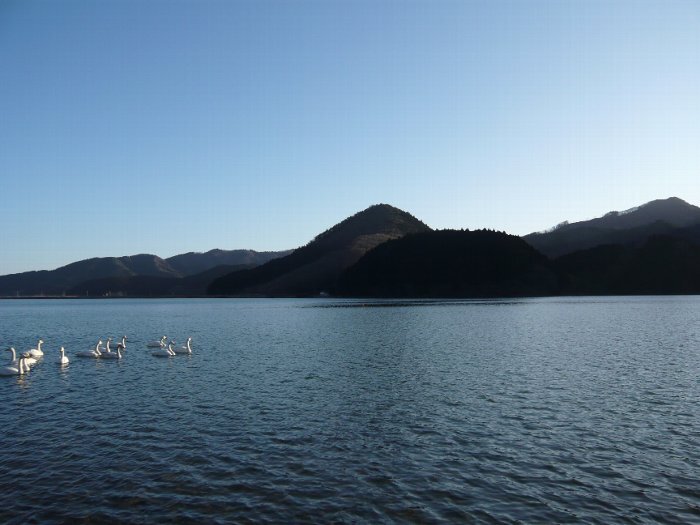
166	127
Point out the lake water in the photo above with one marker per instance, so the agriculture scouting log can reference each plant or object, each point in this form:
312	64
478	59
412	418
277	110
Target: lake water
536	411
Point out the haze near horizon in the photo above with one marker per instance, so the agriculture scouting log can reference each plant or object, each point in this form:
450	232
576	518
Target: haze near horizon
166	128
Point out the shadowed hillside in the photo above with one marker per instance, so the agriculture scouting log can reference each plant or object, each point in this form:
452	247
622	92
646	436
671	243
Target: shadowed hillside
630	227
153	286
664	264
451	263
315	267
195	262
57	282
136	274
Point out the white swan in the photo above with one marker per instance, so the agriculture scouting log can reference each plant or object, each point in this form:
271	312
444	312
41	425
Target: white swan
29	361
63	360
108	350
164	352
18	370
157	344
122	343
92	353
185	349
36	352
113	355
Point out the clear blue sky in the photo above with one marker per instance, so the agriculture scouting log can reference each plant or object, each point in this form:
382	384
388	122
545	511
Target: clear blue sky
164	127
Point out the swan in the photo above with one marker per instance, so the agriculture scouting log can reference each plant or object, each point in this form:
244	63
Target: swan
113	355
36	352
20	369
164	352
122	343
29	361
63	360
157	344
185	349
92	353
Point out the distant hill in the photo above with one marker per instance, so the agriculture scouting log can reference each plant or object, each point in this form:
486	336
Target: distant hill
664	264
196	262
633	226
149	269
450	263
57	282
385	252
153	286
314	268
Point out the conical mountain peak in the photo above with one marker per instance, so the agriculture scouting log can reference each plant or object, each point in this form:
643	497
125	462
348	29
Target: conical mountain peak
377	219
314	268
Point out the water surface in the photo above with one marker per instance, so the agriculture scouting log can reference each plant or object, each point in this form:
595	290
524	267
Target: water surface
536	410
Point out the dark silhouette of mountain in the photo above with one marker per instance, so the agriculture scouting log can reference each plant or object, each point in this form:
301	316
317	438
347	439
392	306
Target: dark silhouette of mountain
664	264
153	286
689	233
195	262
383	251
314	268
629	227
57	282
451	263
149	269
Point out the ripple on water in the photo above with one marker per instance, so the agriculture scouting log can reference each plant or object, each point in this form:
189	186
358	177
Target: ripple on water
532	411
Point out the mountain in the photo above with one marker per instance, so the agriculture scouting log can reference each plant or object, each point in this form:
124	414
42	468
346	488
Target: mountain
663	264
57	282
192	263
314	268
141	274
633	226
153	286
450	263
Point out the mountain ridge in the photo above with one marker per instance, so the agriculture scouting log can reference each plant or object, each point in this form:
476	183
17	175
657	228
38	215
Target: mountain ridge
656	242
191	263
627	227
451	263
63	279
314	267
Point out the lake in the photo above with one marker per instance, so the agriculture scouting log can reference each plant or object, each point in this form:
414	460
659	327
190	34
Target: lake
558	410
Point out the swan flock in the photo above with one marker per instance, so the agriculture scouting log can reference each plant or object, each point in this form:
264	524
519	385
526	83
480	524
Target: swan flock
21	364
